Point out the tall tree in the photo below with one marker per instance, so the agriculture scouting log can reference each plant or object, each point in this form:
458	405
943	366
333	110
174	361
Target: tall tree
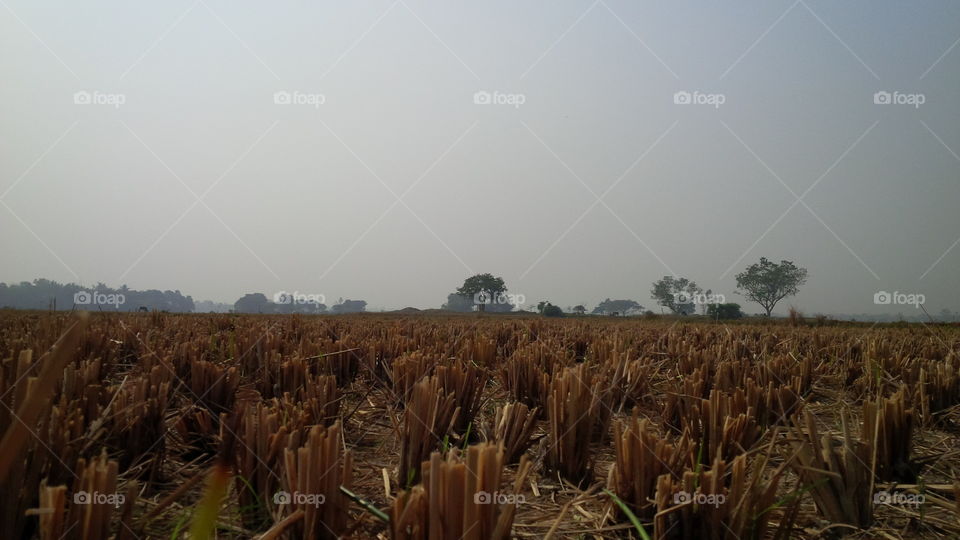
675	294
251	303
766	282
483	289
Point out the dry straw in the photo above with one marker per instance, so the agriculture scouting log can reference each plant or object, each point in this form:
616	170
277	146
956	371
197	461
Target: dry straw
30	389
574	409
641	458
465	383
459	498
708	403
428	417
87	510
730	500
837	476
513	428
259	460
526	382
888	427
138	419
314	474
939	387
407	371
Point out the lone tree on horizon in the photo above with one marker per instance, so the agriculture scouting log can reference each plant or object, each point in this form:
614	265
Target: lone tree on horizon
675	294
486	285
766	282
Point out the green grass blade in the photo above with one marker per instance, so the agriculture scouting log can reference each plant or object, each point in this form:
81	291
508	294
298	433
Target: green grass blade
630	515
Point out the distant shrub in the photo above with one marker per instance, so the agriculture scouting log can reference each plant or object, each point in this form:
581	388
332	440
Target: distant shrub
724	311
551	310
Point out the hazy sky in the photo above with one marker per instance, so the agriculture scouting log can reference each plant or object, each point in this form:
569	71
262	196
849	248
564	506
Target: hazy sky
304	196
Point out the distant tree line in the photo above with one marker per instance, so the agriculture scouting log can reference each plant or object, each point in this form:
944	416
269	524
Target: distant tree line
47	294
209	306
259	303
765	282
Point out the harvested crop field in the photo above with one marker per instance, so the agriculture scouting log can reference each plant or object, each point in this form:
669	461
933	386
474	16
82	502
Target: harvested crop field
154	425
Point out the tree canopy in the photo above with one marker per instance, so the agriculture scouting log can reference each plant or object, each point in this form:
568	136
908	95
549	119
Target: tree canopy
349	306
259	303
729	310
766	282
623	307
486	291
550	310
252	303
675	294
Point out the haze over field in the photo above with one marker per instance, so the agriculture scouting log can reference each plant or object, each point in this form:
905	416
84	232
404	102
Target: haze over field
387	150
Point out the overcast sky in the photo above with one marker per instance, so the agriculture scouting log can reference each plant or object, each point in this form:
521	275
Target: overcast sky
576	177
